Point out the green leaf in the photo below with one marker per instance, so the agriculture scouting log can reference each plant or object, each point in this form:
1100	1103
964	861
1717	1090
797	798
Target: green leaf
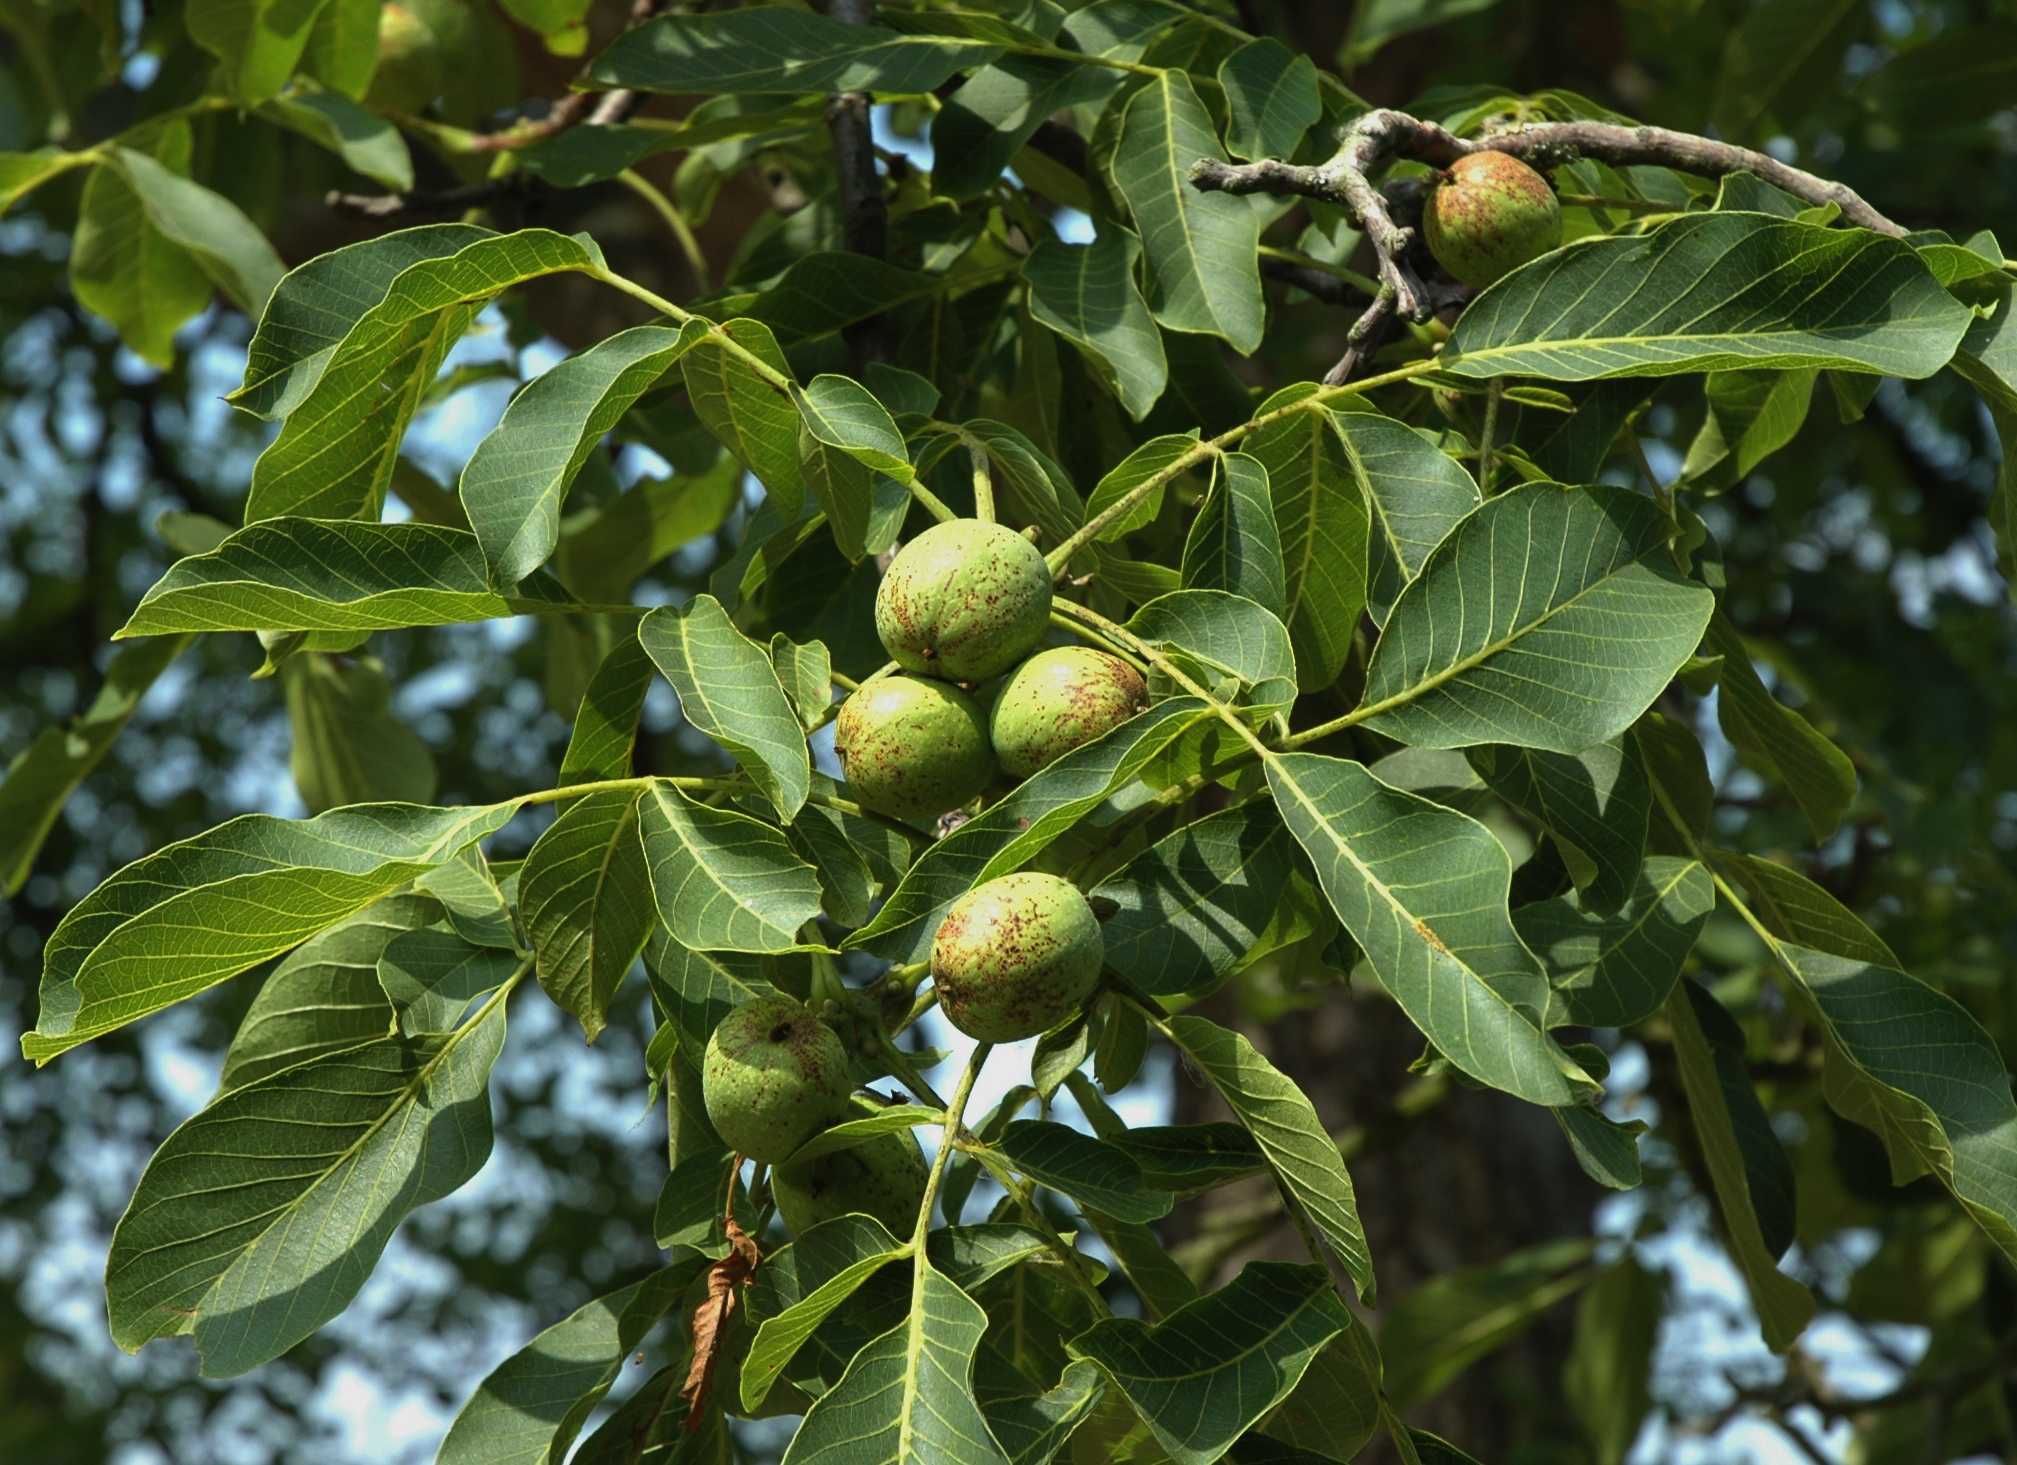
854	461
1711	292
1595	804
907	1397
1145	462
1282	1121
1612	970
1271	99
325	995
1321	520
1225	631
315	305
806	674
1776	740
1423	891
1086	293
979	129
1033	1428
432	974
821	292
515	482
1188	1158
124	267
335	453
1780	46
226	245
187	916
1722	1105
594	153
851	1132
729	690
587	903
722	880
367	144
1416	495
867	1248
1959	79
1204	1375
22	173
752	416
771	49
1191	906
532	1405
1011	831
1203	248
294	574
349	746
43	775
1904	1059
1550	618
844	414
470	893
1098	1175
1234	544
1607	1152
1452	1320
605	728
605	547
258	42
343	47
1607	1374
261	1217
1752	414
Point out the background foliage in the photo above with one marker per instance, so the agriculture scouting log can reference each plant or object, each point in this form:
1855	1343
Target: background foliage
1857	560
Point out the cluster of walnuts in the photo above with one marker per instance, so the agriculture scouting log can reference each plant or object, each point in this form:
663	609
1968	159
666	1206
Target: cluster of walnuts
960	605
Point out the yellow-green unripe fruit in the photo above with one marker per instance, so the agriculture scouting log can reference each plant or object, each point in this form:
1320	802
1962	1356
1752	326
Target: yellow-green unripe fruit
964	601
1058	700
774	1076
912	748
1015	957
883	1177
1490	215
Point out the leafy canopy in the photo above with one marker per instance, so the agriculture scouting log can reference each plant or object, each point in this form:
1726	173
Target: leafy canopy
1384	620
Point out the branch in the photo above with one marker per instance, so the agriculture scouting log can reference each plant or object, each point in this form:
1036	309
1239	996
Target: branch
864	213
600	109
1387	216
424	201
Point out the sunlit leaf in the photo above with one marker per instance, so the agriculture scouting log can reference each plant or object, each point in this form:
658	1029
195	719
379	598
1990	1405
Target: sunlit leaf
253	1266
1711	292
187	916
1203	255
729	690
1550	618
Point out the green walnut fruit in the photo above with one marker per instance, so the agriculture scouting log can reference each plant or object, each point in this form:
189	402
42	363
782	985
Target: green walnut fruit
964	601
1015	957
1489	215
774	1076
883	1177
1059	699
912	748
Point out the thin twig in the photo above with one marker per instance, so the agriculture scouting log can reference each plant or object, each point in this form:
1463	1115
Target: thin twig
602	109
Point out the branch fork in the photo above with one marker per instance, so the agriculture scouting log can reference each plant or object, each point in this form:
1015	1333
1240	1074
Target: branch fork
1388	216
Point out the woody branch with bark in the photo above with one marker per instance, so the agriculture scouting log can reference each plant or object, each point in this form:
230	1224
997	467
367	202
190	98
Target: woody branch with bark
1389	215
